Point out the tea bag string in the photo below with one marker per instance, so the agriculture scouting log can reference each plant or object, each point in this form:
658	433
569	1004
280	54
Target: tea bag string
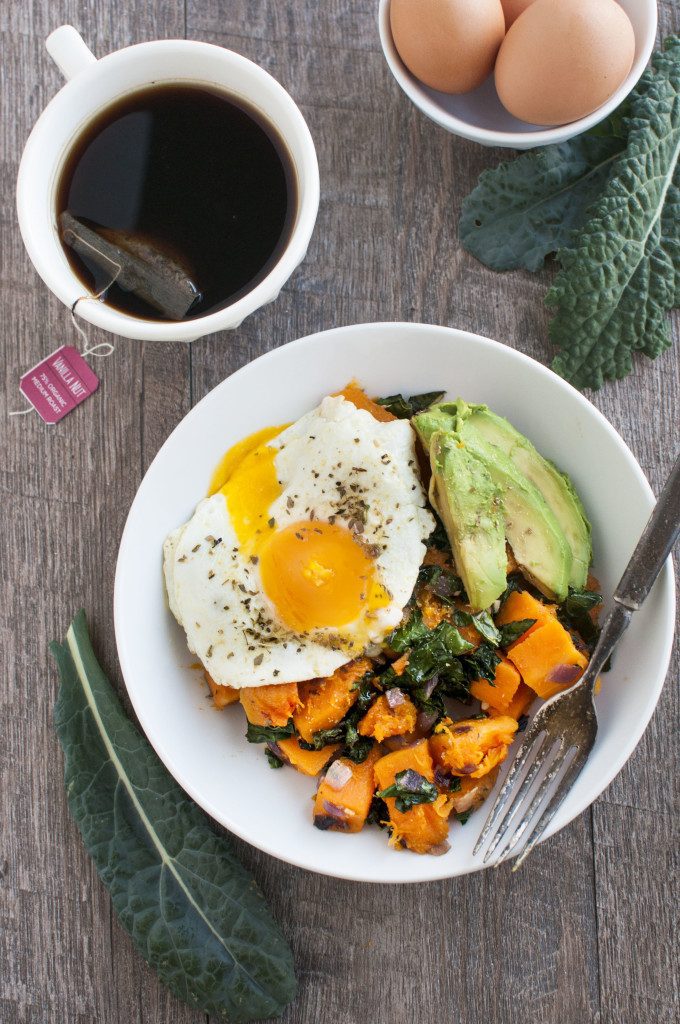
95	350
100	351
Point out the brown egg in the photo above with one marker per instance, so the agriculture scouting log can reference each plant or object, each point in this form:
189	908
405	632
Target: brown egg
563	59
512	10
449	45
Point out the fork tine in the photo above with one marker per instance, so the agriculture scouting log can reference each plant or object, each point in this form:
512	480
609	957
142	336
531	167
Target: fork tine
553	807
546	746
535	803
516	766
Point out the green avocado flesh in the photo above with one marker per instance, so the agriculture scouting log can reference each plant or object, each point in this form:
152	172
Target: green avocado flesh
555	486
469	505
544	521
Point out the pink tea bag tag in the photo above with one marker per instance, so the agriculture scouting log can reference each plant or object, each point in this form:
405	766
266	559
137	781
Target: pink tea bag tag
56	385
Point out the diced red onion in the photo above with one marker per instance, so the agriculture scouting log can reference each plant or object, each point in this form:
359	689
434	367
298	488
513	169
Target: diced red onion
333	811
442	779
338	775
564	674
411	781
428	688
443	586
276	750
425	721
392	743
395	697
440	849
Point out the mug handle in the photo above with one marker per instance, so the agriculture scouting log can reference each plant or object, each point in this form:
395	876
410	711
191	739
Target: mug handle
68	51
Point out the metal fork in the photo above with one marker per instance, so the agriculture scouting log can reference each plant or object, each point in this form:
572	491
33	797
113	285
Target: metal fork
567	722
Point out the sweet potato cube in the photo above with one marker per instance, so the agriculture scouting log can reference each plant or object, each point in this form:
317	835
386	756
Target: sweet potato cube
521	605
547	659
309	762
381	720
424	825
222	695
355	394
472	746
345	808
326	701
519	705
270	705
500	693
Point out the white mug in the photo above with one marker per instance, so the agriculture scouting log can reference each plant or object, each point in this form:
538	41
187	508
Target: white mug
92	85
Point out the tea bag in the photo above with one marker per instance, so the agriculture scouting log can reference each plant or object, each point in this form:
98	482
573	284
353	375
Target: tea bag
135	266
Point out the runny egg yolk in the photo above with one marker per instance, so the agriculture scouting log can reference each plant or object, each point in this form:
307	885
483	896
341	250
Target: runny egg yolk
237	453
315	573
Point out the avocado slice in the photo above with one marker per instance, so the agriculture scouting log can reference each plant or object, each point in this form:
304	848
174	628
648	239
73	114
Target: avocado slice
531	527
555	486
469	504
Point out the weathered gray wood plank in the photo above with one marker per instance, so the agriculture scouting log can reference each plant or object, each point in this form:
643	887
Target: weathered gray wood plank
636	870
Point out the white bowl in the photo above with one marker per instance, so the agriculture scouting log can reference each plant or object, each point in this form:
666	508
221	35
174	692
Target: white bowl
206	750
91	87
480	116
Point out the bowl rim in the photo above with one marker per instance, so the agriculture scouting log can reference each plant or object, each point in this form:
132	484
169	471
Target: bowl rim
511	140
369	331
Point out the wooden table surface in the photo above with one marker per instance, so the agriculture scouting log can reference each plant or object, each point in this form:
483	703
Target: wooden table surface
583	933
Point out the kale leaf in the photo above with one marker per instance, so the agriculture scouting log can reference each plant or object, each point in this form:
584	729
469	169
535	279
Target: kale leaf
378	813
273	758
512	631
439	538
442	582
269	733
409	788
483	623
608	202
192	910
527	208
405	408
355	746
482	663
621	272
412	632
573	613
436	653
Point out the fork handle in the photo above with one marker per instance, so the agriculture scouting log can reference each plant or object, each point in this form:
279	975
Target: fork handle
654	546
647	561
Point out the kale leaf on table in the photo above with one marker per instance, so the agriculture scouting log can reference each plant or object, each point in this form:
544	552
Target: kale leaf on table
621	271
192	910
608	203
527	208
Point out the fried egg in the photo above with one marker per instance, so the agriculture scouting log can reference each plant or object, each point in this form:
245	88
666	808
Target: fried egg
308	552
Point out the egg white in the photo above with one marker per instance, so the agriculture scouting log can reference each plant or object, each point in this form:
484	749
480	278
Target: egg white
339	463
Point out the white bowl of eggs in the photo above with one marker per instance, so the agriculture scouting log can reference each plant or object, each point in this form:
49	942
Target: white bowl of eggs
517	73
206	749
